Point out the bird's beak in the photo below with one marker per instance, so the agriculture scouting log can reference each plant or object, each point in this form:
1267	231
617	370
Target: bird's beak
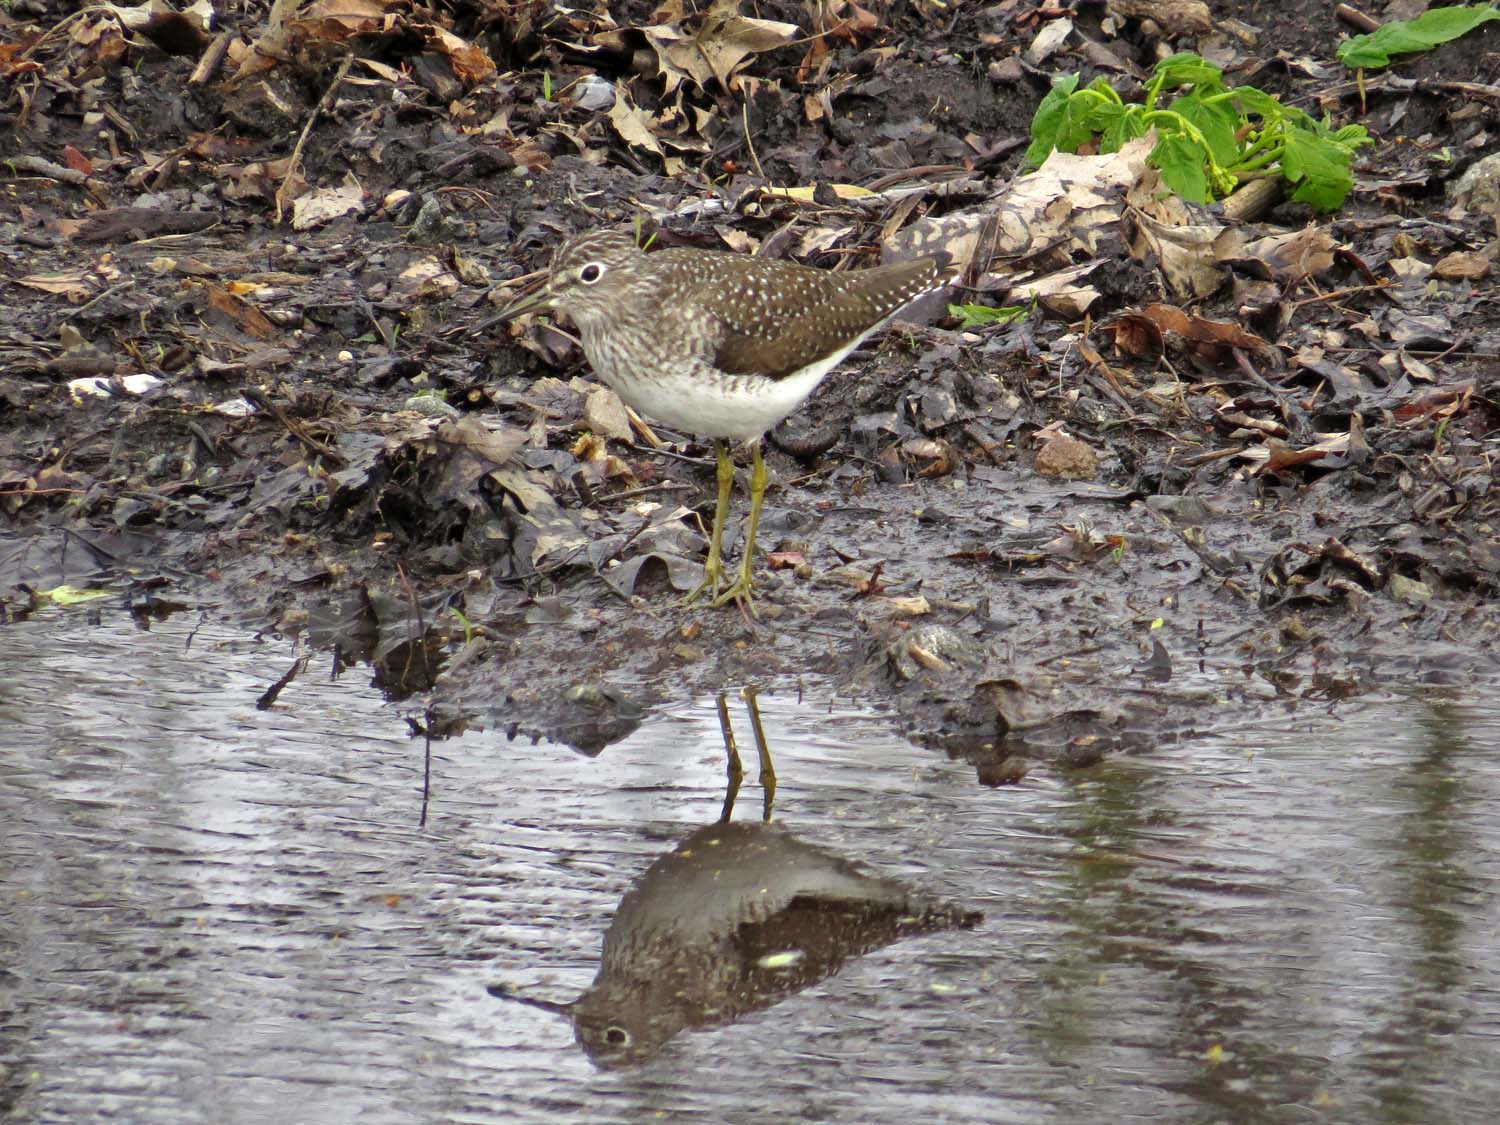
531	302
504	992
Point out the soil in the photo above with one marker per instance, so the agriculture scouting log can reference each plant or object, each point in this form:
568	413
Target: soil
329	448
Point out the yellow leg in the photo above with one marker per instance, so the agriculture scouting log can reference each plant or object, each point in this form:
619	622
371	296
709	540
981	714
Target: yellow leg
732	753
736	769
740	591
713	568
763	748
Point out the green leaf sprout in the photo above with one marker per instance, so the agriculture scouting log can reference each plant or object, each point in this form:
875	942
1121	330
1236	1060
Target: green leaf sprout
1210	137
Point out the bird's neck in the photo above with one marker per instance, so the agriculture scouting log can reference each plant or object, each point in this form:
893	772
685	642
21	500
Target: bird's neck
627	311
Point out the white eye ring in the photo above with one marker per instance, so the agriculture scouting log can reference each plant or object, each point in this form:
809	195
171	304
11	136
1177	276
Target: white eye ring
591	272
617	1036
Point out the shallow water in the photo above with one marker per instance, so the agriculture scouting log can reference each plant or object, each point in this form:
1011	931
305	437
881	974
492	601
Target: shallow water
214	913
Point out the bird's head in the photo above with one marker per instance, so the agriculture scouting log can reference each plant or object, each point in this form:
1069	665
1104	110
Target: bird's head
591	276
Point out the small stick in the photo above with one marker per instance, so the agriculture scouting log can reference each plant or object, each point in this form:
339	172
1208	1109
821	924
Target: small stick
1355	18
323	103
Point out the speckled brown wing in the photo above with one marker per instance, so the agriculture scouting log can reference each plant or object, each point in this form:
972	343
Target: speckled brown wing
780	317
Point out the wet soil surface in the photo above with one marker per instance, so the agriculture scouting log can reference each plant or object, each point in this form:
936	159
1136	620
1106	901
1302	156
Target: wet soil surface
324	448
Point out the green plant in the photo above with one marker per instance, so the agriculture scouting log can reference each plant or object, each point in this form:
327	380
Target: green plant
1210	137
982	316
1405	37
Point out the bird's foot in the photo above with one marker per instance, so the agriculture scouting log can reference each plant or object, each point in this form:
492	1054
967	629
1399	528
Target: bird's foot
712	587
739	593
713	580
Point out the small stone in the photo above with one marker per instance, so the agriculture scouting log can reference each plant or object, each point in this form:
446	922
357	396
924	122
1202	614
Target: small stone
431	405
1463	265
1081	754
1067	457
1010	770
1478	189
1405	589
604	413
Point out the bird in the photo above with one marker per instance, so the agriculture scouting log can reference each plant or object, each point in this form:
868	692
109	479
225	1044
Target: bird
716	344
732	921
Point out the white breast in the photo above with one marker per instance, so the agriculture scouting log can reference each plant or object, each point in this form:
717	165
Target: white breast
705	402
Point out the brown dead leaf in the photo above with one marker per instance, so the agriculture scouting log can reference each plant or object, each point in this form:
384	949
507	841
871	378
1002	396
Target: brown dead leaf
1081	540
321	22
1240	419
872	584
1191	255
1276	456
1415	369
259	180
916	606
1293	256
13	60
531	156
815	63
425	279
633	123
805	194
245	316
939	457
496	445
590	447
1071	202
1444	402
322	205
721	46
72	284
470	64
176	33
1160	328
77	161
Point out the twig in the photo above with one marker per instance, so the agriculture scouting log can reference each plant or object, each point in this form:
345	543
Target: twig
120	287
1337	293
1355	18
745	122
211	59
39	166
323	104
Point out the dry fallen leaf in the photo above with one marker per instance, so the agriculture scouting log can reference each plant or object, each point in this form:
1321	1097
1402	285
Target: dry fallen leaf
74	284
1161	328
247	317
323	205
633	123
1294	255
1276	456
719	48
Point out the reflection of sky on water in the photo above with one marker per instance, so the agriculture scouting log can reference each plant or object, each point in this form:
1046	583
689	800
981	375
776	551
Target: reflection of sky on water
209	912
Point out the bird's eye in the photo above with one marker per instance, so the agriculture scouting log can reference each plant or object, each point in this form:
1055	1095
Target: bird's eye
617	1036
591	273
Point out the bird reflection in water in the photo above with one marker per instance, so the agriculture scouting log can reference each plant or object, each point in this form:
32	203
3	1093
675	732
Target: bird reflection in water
733	920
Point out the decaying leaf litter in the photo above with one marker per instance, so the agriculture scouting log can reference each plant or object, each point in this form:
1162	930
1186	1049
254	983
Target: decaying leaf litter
1230	458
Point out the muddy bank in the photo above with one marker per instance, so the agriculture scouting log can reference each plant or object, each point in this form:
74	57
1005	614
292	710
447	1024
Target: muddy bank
321	445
